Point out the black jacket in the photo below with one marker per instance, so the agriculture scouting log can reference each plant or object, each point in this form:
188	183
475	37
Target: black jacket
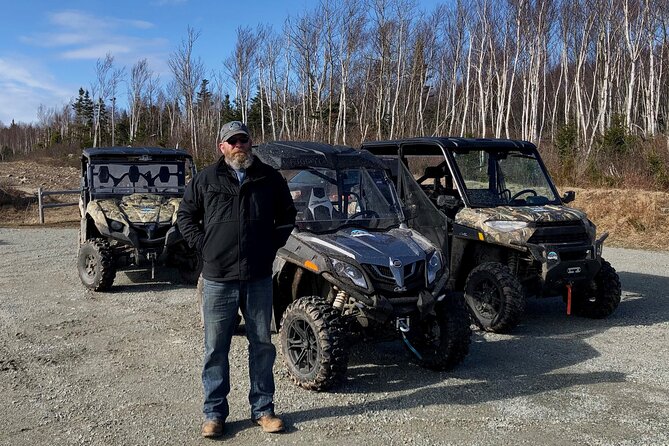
237	229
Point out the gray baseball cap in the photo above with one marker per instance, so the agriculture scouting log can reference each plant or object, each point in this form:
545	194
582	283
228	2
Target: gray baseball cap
232	128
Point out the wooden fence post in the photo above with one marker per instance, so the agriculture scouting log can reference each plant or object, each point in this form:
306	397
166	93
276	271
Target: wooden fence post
39	204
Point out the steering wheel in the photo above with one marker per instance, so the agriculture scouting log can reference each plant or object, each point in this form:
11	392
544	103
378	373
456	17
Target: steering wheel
367	212
524	191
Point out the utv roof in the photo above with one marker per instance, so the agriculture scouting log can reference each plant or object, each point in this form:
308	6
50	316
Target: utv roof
128	152
302	154
454	143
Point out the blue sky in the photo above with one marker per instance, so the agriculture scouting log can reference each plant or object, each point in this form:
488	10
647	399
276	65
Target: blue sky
48	49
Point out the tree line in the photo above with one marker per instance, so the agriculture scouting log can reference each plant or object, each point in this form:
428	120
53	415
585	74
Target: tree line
584	79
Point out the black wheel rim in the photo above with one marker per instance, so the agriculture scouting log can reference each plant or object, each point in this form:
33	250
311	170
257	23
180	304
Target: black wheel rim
487	300
302	346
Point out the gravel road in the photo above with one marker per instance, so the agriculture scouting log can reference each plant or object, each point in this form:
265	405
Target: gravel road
122	368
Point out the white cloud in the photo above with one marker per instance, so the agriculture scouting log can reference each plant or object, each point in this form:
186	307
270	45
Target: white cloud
96	51
72	36
55	40
77	20
85	22
27	72
24	87
81	35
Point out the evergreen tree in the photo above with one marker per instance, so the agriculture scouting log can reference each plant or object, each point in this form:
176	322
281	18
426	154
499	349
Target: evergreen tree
255	117
228	112
105	130
122	125
83	109
83	119
203	98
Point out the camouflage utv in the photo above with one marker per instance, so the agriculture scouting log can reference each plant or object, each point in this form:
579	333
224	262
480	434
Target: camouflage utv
511	235
128	204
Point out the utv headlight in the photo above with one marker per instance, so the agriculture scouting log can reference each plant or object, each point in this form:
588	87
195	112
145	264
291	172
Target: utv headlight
505	225
433	266
350	272
116	225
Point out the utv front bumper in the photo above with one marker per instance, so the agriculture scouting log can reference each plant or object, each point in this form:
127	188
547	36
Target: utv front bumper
566	264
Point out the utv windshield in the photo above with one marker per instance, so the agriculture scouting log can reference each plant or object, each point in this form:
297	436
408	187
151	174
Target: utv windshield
129	178
504	178
328	199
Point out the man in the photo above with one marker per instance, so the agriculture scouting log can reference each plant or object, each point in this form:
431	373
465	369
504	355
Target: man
237	213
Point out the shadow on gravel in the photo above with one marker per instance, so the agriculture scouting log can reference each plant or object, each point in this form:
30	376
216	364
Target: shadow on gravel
644	301
465	394
147	287
534	359
494	371
140	280
529	357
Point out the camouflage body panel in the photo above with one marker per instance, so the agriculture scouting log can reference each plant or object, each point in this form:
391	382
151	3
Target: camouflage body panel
475	218
135	209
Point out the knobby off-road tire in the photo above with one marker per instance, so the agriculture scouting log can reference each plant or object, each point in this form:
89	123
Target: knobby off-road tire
95	264
600	297
443	340
495	297
313	343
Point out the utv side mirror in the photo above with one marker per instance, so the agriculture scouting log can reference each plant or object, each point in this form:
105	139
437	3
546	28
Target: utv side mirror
448	201
103	175
569	196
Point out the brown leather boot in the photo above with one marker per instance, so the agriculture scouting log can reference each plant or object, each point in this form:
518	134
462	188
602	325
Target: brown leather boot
212	428
270	423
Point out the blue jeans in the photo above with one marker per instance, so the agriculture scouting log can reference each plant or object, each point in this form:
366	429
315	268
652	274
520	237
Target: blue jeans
220	303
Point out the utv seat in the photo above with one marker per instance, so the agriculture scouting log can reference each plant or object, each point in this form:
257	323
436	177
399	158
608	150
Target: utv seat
319	206
437	173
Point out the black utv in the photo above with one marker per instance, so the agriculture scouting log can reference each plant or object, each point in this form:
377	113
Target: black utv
511	235
128	204
352	270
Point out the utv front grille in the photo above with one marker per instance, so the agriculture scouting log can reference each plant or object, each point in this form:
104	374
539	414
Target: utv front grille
151	234
384	272
383	280
559	233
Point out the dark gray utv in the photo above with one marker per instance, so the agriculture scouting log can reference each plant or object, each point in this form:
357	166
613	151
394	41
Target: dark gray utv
352	271
128	204
511	235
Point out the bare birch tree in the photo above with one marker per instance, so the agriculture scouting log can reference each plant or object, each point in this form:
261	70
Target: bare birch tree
188	71
140	74
107	80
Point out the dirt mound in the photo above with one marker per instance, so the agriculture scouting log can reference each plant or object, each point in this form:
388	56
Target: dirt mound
29	175
19	181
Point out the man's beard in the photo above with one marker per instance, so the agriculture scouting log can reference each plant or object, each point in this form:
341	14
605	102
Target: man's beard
240	160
